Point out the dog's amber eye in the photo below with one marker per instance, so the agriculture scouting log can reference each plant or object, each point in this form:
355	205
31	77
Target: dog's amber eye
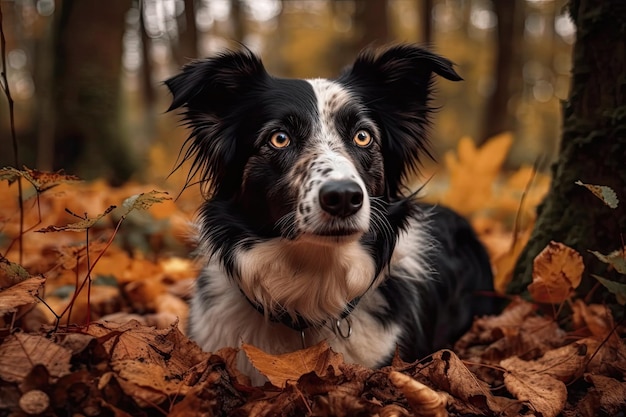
362	138
280	140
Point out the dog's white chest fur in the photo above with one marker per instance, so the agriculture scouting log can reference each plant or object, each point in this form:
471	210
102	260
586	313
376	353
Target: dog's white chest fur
325	283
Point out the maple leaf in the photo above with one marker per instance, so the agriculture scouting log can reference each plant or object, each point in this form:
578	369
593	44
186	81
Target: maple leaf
473	172
280	369
557	272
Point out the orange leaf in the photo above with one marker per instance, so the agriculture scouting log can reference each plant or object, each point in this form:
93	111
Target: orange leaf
557	271
473	172
280	369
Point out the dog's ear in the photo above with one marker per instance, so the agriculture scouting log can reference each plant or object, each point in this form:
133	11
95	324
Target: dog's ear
211	92
210	84
396	86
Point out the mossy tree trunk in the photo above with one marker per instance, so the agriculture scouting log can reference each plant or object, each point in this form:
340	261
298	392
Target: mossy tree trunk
593	148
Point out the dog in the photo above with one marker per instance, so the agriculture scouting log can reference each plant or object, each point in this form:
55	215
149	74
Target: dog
309	231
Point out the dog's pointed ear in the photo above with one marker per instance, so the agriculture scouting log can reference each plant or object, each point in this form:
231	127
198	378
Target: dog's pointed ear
396	85
202	83
211	91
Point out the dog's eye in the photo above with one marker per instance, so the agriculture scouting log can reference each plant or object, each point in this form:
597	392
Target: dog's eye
280	140
362	138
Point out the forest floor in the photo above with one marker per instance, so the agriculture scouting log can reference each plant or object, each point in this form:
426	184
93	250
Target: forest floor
95	280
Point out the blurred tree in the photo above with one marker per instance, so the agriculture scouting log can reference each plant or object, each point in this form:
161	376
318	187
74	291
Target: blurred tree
593	147
238	20
506	69
426	29
188	33
89	135
372	23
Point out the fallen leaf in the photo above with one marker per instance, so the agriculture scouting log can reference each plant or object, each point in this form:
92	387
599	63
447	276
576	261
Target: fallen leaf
11	272
449	374
148	359
20	352
557	272
612	393
20	294
473	172
565	364
289	367
424	401
545	394
604	193
596	318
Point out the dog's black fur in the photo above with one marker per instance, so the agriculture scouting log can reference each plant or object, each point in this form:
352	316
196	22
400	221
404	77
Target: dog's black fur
309	231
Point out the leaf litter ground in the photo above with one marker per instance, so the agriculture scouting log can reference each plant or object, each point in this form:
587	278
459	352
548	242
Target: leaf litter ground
92	318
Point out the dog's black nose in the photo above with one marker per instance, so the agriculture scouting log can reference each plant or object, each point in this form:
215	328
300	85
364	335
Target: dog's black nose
341	198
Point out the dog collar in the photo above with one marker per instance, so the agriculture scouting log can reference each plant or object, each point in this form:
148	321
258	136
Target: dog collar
300	323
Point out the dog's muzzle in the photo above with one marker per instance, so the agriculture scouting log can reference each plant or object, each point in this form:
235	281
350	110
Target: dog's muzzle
341	198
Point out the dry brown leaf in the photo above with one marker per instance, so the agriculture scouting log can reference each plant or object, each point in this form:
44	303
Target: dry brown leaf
424	401
451	375
612	393
19	294
488	329
564	364
545	394
557	272
596	318
20	352
11	273
148	359
289	367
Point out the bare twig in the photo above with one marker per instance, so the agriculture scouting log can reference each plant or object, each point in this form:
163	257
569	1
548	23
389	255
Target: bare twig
16	159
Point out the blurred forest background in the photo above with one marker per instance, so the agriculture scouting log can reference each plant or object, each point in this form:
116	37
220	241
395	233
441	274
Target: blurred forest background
87	75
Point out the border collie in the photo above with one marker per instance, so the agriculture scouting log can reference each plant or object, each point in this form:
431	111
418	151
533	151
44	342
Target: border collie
309	231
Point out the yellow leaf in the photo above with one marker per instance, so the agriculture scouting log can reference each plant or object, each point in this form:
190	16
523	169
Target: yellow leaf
280	369
473	172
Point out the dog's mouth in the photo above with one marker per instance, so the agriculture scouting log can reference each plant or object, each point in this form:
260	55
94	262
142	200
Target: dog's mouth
332	236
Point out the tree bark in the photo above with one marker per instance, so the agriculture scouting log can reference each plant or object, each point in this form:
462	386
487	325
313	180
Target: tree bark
372	23
89	136
593	148
509	30
426	28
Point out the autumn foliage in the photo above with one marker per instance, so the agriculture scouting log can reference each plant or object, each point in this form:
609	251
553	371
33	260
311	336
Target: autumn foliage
94	283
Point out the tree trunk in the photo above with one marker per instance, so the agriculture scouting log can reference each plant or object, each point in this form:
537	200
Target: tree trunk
372	23
426	28
89	136
188	35
497	118
593	148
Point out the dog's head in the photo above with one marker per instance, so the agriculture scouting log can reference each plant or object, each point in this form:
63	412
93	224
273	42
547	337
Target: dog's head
306	159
